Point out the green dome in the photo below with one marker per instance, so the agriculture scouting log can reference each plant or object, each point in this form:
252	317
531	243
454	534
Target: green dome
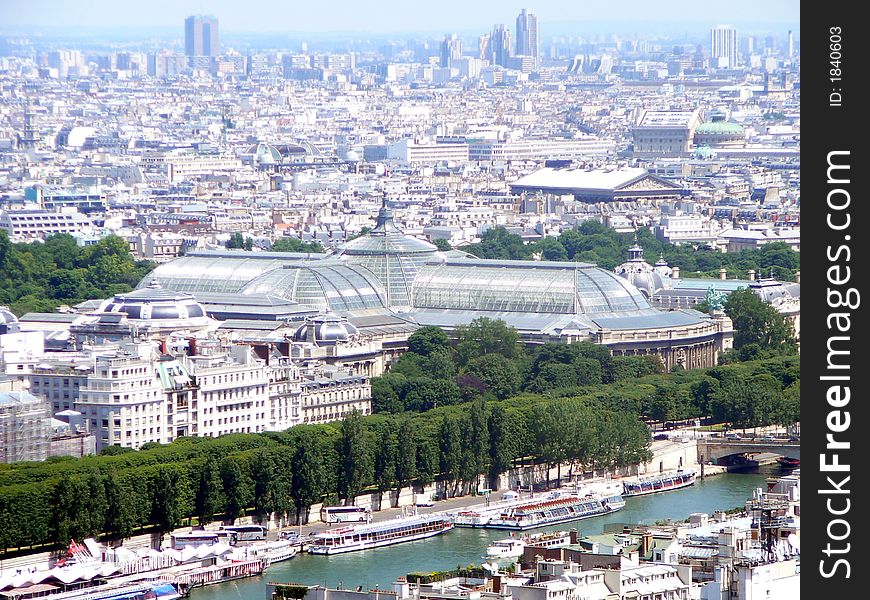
719	128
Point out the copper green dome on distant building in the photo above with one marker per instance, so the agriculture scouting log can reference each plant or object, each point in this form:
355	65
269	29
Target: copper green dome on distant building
718	132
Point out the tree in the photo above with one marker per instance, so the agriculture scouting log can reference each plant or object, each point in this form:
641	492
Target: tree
450	446
288	244
551	249
307	480
425	394
234	492
385	456
588	371
554	376
239	242
443	245
208	498
497	373
427	340
478	438
355	463
265	483
502	443
758	322
97	506
66	499
486	336
406	454
497	242
167	510
385	399
121	516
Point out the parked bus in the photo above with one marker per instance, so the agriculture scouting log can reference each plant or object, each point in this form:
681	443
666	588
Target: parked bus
246	533
345	514
197	538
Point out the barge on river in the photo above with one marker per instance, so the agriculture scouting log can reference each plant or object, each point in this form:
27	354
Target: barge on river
375	535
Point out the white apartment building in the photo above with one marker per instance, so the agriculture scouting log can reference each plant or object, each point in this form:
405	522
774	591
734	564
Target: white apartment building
25	225
680	229
417	151
24	427
180	167
232	393
539	149
130	394
333	395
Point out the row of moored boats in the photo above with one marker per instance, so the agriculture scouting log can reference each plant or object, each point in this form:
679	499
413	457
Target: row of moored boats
514	514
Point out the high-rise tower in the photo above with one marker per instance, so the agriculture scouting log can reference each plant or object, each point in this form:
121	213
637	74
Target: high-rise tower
527	43
451	50
723	42
201	36
500	45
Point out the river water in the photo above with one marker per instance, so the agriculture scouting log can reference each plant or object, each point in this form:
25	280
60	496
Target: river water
381	566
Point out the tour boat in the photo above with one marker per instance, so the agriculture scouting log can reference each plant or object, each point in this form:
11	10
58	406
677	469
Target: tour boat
273	552
558	510
658	483
375	535
788	463
506	548
513	547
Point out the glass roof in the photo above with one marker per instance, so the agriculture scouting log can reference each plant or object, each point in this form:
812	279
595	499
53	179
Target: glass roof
522	286
395	272
226	272
332	287
386	238
393	257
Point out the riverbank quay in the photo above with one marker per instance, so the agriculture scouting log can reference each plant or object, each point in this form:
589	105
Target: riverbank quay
667	455
747	553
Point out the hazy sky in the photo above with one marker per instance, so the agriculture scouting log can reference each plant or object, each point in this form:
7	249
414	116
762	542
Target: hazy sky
380	16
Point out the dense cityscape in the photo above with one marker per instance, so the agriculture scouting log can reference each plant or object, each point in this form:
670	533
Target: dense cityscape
271	296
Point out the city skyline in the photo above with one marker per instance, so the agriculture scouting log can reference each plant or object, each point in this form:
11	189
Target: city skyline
343	16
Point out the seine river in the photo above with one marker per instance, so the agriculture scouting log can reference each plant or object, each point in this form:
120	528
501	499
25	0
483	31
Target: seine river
381	566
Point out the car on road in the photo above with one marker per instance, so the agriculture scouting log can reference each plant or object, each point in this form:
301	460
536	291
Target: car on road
424	500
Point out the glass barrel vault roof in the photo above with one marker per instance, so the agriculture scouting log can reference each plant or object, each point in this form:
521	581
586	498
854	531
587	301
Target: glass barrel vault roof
330	287
523	286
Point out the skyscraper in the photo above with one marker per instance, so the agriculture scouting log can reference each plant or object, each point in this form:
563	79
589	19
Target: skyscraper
527	35
500	45
723	41
201	36
451	51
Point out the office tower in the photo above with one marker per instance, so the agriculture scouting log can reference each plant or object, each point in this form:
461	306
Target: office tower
790	43
201	36
527	35
483	50
500	45
723	41
451	50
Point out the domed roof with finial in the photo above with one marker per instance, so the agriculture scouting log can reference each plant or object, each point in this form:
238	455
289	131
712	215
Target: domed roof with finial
325	330
386	238
153	303
646	278
393	257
